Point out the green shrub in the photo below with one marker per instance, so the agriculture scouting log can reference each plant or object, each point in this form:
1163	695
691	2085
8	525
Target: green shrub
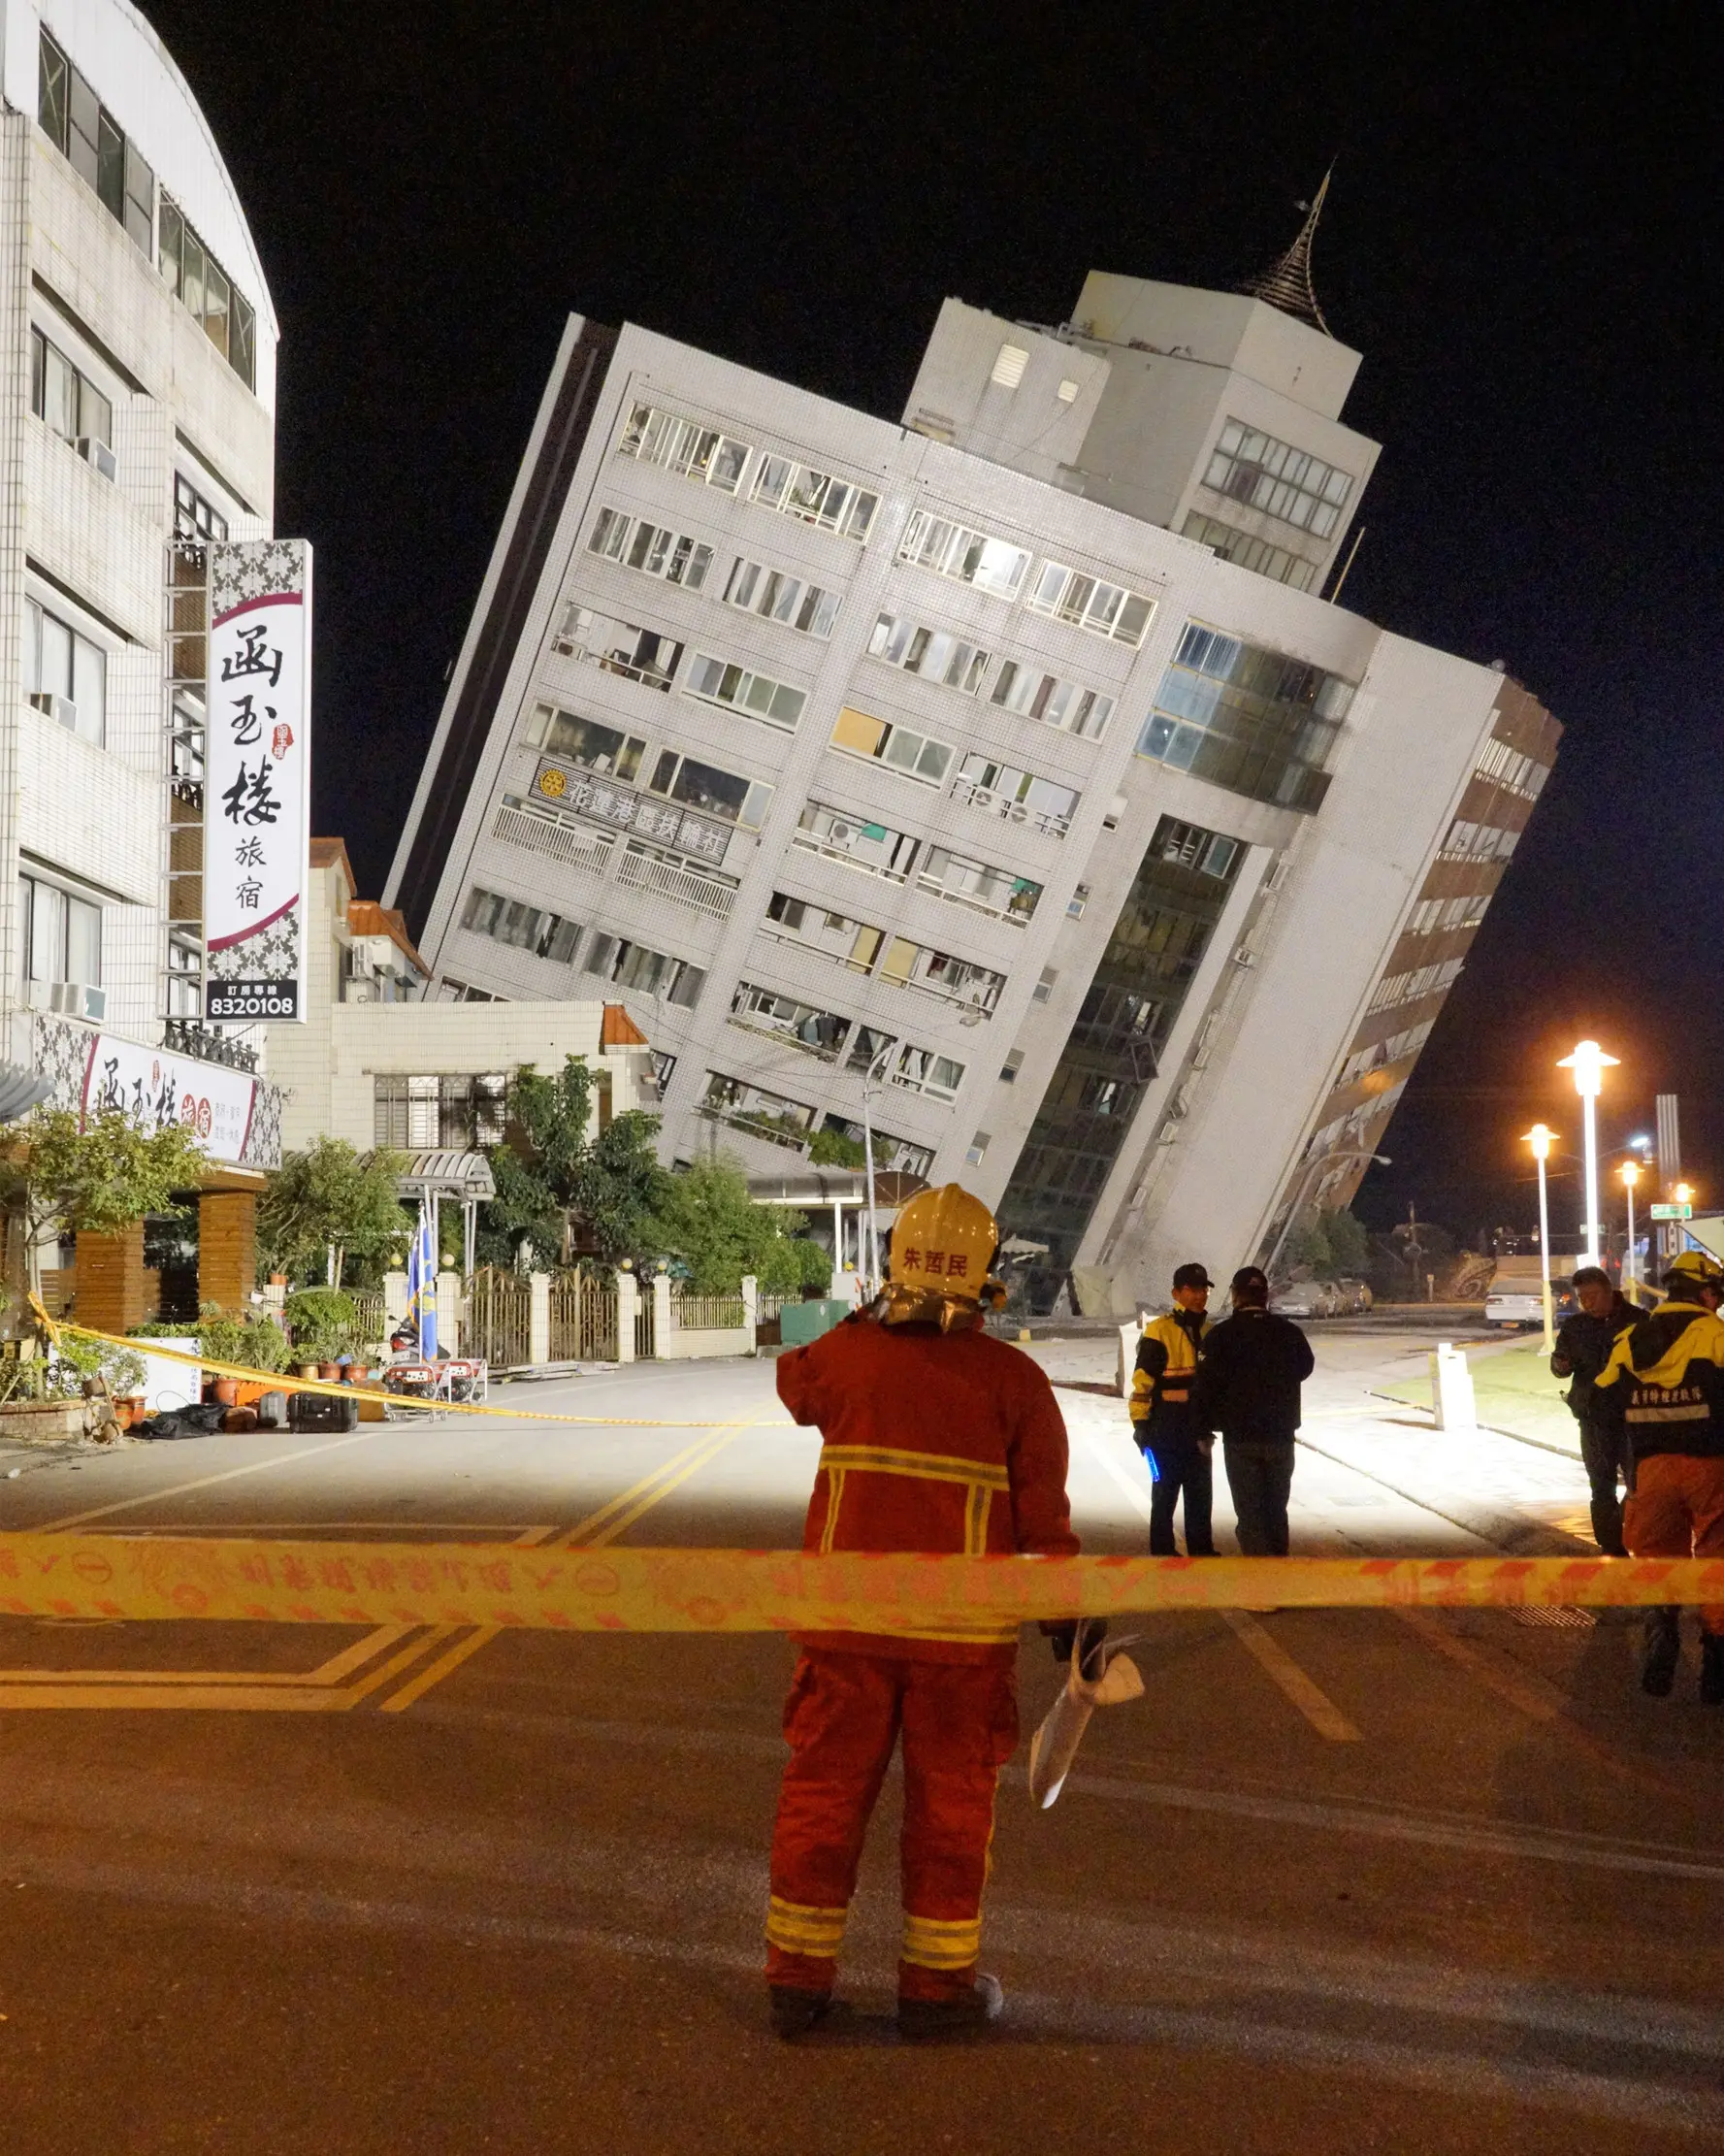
247	1338
78	1360
324	1324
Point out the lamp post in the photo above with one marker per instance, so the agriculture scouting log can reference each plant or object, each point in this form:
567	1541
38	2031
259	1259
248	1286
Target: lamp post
1588	1064
1540	1138
1683	1194
871	1079
1631	1175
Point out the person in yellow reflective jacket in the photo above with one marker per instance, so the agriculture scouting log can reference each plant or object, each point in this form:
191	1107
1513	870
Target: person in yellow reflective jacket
1175	1446
1671	1363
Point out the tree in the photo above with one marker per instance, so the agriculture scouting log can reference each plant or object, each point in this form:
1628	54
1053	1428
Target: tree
552	1173
328	1202
708	1222
93	1178
1349	1247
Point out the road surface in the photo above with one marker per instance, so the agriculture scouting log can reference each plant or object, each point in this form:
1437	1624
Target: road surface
1341	1881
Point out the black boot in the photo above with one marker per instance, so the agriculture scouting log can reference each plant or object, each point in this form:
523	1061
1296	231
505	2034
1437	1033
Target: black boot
1661	1647
1711	1668
960	2016
795	2012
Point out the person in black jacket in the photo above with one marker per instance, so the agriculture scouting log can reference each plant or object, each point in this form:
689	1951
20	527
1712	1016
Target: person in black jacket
1247	1388
1582	1348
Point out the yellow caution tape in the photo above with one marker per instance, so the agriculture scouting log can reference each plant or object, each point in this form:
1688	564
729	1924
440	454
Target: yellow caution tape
749	1590
280	1381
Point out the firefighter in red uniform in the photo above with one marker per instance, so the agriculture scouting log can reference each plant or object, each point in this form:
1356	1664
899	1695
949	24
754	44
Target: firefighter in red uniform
937	1437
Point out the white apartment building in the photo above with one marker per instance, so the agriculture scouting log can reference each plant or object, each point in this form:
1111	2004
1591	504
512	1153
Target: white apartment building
137	395
376	1065
1006	764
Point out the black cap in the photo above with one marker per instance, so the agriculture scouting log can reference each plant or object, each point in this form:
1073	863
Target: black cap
1251	1277
1191	1276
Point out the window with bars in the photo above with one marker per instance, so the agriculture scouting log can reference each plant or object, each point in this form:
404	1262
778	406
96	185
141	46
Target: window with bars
431	1113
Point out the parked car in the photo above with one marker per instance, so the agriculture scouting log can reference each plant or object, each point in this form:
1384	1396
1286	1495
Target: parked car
1516	1301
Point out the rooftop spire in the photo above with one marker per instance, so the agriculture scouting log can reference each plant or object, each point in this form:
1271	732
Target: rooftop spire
1287	283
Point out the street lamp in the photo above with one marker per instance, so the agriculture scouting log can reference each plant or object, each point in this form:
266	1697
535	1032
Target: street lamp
1540	1137
870	1078
1588	1064
1631	1175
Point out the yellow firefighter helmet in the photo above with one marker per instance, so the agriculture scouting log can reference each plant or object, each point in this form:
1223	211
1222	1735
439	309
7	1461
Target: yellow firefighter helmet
1699	1267
943	1241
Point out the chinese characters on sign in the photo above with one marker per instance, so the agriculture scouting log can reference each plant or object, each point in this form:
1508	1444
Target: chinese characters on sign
608	802
154	1089
256	788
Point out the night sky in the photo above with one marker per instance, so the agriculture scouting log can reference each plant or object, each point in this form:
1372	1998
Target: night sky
1522	239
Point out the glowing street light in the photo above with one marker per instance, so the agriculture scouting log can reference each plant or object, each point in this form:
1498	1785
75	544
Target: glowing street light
1589	1064
1541	1138
1631	1174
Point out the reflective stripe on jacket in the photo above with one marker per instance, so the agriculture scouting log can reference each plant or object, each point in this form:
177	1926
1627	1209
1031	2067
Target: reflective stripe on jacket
1165	1370
1670	1364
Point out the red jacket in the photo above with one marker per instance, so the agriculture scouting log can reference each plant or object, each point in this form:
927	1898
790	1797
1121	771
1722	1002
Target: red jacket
932	1442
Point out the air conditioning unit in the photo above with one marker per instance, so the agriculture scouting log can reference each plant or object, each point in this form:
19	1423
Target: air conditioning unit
99	455
61	710
360	992
74	999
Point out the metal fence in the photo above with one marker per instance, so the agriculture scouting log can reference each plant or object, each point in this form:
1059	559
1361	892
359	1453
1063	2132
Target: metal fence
498	1317
707	1313
646	1330
371	1328
583	1320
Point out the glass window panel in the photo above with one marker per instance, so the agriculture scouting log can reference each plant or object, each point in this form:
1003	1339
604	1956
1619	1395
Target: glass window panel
191	274
52	90
215	299
47	933
242	354
83	943
84	131
60	394
54	664
170	244
89	688
140	199
95	414
111	167
857	731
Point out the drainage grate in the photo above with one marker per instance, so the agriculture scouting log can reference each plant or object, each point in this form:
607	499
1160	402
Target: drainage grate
1574	1620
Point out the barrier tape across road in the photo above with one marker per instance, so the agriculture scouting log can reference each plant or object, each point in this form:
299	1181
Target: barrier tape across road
746	1591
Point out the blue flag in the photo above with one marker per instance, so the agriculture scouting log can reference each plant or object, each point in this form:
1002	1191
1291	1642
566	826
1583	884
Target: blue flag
422	1287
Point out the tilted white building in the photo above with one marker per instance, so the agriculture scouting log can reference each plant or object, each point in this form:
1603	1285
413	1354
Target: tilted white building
1009	755
137	395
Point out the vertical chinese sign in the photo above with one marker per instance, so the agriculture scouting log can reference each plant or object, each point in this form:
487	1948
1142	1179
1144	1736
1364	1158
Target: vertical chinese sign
257	795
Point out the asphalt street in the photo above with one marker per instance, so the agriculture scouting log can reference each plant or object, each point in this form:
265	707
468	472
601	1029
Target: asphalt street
1340	1880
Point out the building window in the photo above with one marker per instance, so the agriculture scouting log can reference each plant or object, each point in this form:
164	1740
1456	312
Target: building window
935	654
704	786
651	548
741	689
450	991
1000	892
1505	766
428	1114
617	646
87	135
1111	1053
203	289
1044	987
653	972
1439	916
875	849
893	1156
968	557
751	1108
953	980
763	1010
520	926
977	1148
1020	797
790	599
1192	847
1247	551
1066	704
185	971
1087	602
683	445
834	935
814	496
924	1071
1397	989
62	935
1274	477
1008	366
70	405
584	742
1247	719
1398	1046
195	517
65	674
1469	841
915	754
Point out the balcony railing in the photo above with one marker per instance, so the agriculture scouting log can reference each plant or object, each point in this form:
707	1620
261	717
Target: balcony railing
186	1038
810	844
684	886
774	1133
568	843
996	909
967	790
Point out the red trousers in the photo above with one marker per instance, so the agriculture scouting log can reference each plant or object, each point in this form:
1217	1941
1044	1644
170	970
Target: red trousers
1677	1509
842	1718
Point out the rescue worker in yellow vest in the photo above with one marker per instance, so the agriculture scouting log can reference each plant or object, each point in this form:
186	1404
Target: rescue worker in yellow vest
1672	1364
1175	1445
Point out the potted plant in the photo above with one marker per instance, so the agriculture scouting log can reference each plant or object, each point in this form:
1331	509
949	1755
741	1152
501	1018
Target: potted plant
322	1321
249	1338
